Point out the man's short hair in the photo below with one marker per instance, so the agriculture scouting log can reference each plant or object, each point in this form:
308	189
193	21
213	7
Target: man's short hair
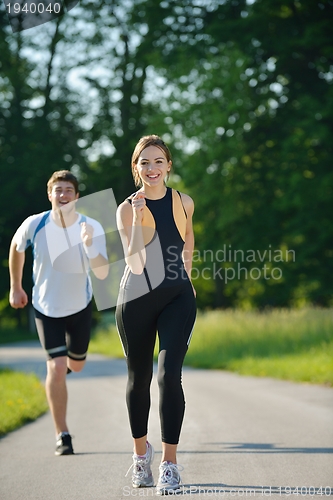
62	175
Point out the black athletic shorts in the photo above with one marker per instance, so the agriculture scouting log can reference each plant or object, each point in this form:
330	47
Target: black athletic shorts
66	336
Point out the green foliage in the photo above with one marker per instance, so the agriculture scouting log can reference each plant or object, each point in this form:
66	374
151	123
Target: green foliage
242	92
106	341
22	399
255	110
36	137
9	335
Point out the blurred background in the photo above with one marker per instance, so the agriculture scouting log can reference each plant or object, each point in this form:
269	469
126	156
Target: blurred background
240	90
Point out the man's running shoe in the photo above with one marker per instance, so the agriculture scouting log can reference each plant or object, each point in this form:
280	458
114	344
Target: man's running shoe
64	444
169	481
142	476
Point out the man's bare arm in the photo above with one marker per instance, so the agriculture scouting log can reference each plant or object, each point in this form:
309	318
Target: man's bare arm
17	296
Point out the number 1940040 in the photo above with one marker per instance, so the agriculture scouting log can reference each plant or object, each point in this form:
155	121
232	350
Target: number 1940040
33	8
305	490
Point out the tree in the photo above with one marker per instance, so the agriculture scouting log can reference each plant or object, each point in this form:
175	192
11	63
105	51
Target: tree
242	92
74	97
257	108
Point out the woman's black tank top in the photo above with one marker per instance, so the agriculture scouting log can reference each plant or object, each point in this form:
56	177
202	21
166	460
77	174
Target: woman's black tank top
164	263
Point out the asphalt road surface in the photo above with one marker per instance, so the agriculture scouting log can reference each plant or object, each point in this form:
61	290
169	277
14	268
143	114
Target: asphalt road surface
242	437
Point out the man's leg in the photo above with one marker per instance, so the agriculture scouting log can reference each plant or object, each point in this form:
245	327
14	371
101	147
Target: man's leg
56	391
52	334
78	328
74	365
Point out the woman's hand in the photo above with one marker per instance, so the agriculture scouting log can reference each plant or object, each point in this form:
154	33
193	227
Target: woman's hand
138	204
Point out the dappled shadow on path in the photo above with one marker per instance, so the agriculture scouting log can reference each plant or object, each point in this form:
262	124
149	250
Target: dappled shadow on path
235	448
261	448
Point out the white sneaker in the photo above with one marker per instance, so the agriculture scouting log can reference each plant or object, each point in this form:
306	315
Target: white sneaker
142	475
169	480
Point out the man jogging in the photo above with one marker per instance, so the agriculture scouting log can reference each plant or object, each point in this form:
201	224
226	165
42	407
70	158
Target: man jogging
66	246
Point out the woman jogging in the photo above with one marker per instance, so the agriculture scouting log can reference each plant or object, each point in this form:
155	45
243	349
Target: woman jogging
156	296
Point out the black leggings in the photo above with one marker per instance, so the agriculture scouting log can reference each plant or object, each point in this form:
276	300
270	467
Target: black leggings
171	312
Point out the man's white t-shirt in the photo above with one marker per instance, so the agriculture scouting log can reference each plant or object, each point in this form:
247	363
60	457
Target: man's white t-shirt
62	285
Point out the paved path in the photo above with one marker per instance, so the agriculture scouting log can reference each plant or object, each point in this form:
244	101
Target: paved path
242	437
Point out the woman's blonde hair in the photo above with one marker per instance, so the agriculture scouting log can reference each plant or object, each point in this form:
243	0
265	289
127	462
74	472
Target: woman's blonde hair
145	142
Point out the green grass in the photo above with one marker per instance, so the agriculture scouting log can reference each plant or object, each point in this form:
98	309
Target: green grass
314	366
22	399
106	341
288	344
